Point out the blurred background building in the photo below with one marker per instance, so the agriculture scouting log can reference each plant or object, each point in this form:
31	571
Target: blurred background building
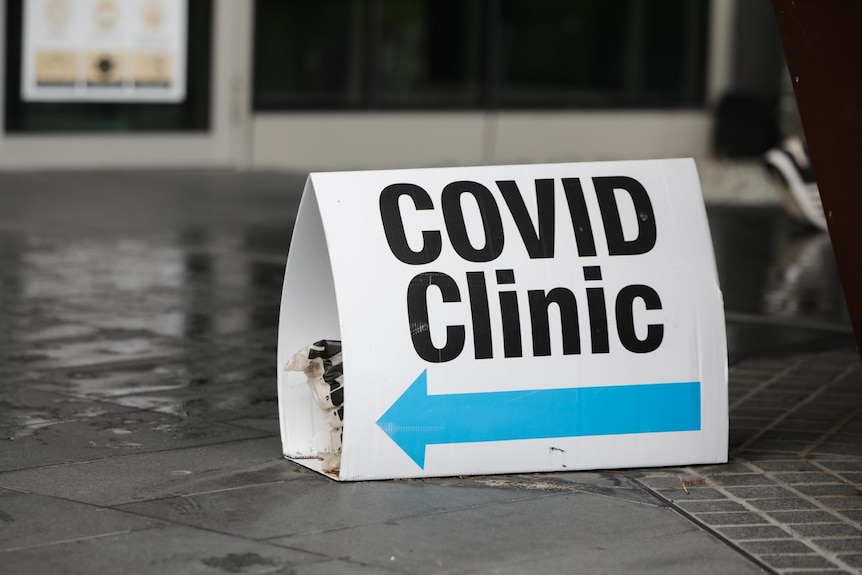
341	84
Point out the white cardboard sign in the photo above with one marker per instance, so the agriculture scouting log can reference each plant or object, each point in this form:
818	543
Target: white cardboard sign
508	319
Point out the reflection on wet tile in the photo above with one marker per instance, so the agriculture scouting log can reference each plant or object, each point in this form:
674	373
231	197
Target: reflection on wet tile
803	280
552	537
48	355
24	412
150	476
746	338
768	266
225	402
42	429
156	551
324	505
57	331
245	365
35	520
104	382
268	424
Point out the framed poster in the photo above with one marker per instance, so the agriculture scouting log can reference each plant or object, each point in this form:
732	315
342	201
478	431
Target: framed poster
104	50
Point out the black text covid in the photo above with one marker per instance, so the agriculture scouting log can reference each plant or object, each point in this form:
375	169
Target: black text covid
475	290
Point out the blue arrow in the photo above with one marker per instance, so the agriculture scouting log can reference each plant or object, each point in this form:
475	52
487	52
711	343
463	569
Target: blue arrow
417	419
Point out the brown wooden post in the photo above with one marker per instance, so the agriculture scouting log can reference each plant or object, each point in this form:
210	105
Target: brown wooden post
823	45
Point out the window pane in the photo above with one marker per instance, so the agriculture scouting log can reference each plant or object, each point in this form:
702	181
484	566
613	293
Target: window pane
606	53
479	53
192	114
430	53
560	52
309	54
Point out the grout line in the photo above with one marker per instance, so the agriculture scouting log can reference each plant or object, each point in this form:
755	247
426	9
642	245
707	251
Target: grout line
121	506
73	540
101	366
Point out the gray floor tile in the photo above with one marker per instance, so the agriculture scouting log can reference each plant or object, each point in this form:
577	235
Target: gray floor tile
810	561
793	517
312	504
253	398
699	492
645	556
116	380
24	412
846	502
739	480
55	354
611	484
195	368
268	424
776	546
836	489
853	514
760	492
842	465
782	504
156	551
709	506
112	435
340	567
163	474
733	518
558	530
28	520
753	532
828	530
787	465
846	545
852	476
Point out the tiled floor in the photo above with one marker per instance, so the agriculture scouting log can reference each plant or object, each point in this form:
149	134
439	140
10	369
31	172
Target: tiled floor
792	494
139	432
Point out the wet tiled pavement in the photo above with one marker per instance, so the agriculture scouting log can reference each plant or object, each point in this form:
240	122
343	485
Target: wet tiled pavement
139	430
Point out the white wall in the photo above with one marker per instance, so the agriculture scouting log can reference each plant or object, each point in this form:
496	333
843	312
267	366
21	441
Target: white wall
340	141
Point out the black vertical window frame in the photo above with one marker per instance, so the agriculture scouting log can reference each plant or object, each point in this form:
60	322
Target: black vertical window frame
372	63
491	88
190	115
